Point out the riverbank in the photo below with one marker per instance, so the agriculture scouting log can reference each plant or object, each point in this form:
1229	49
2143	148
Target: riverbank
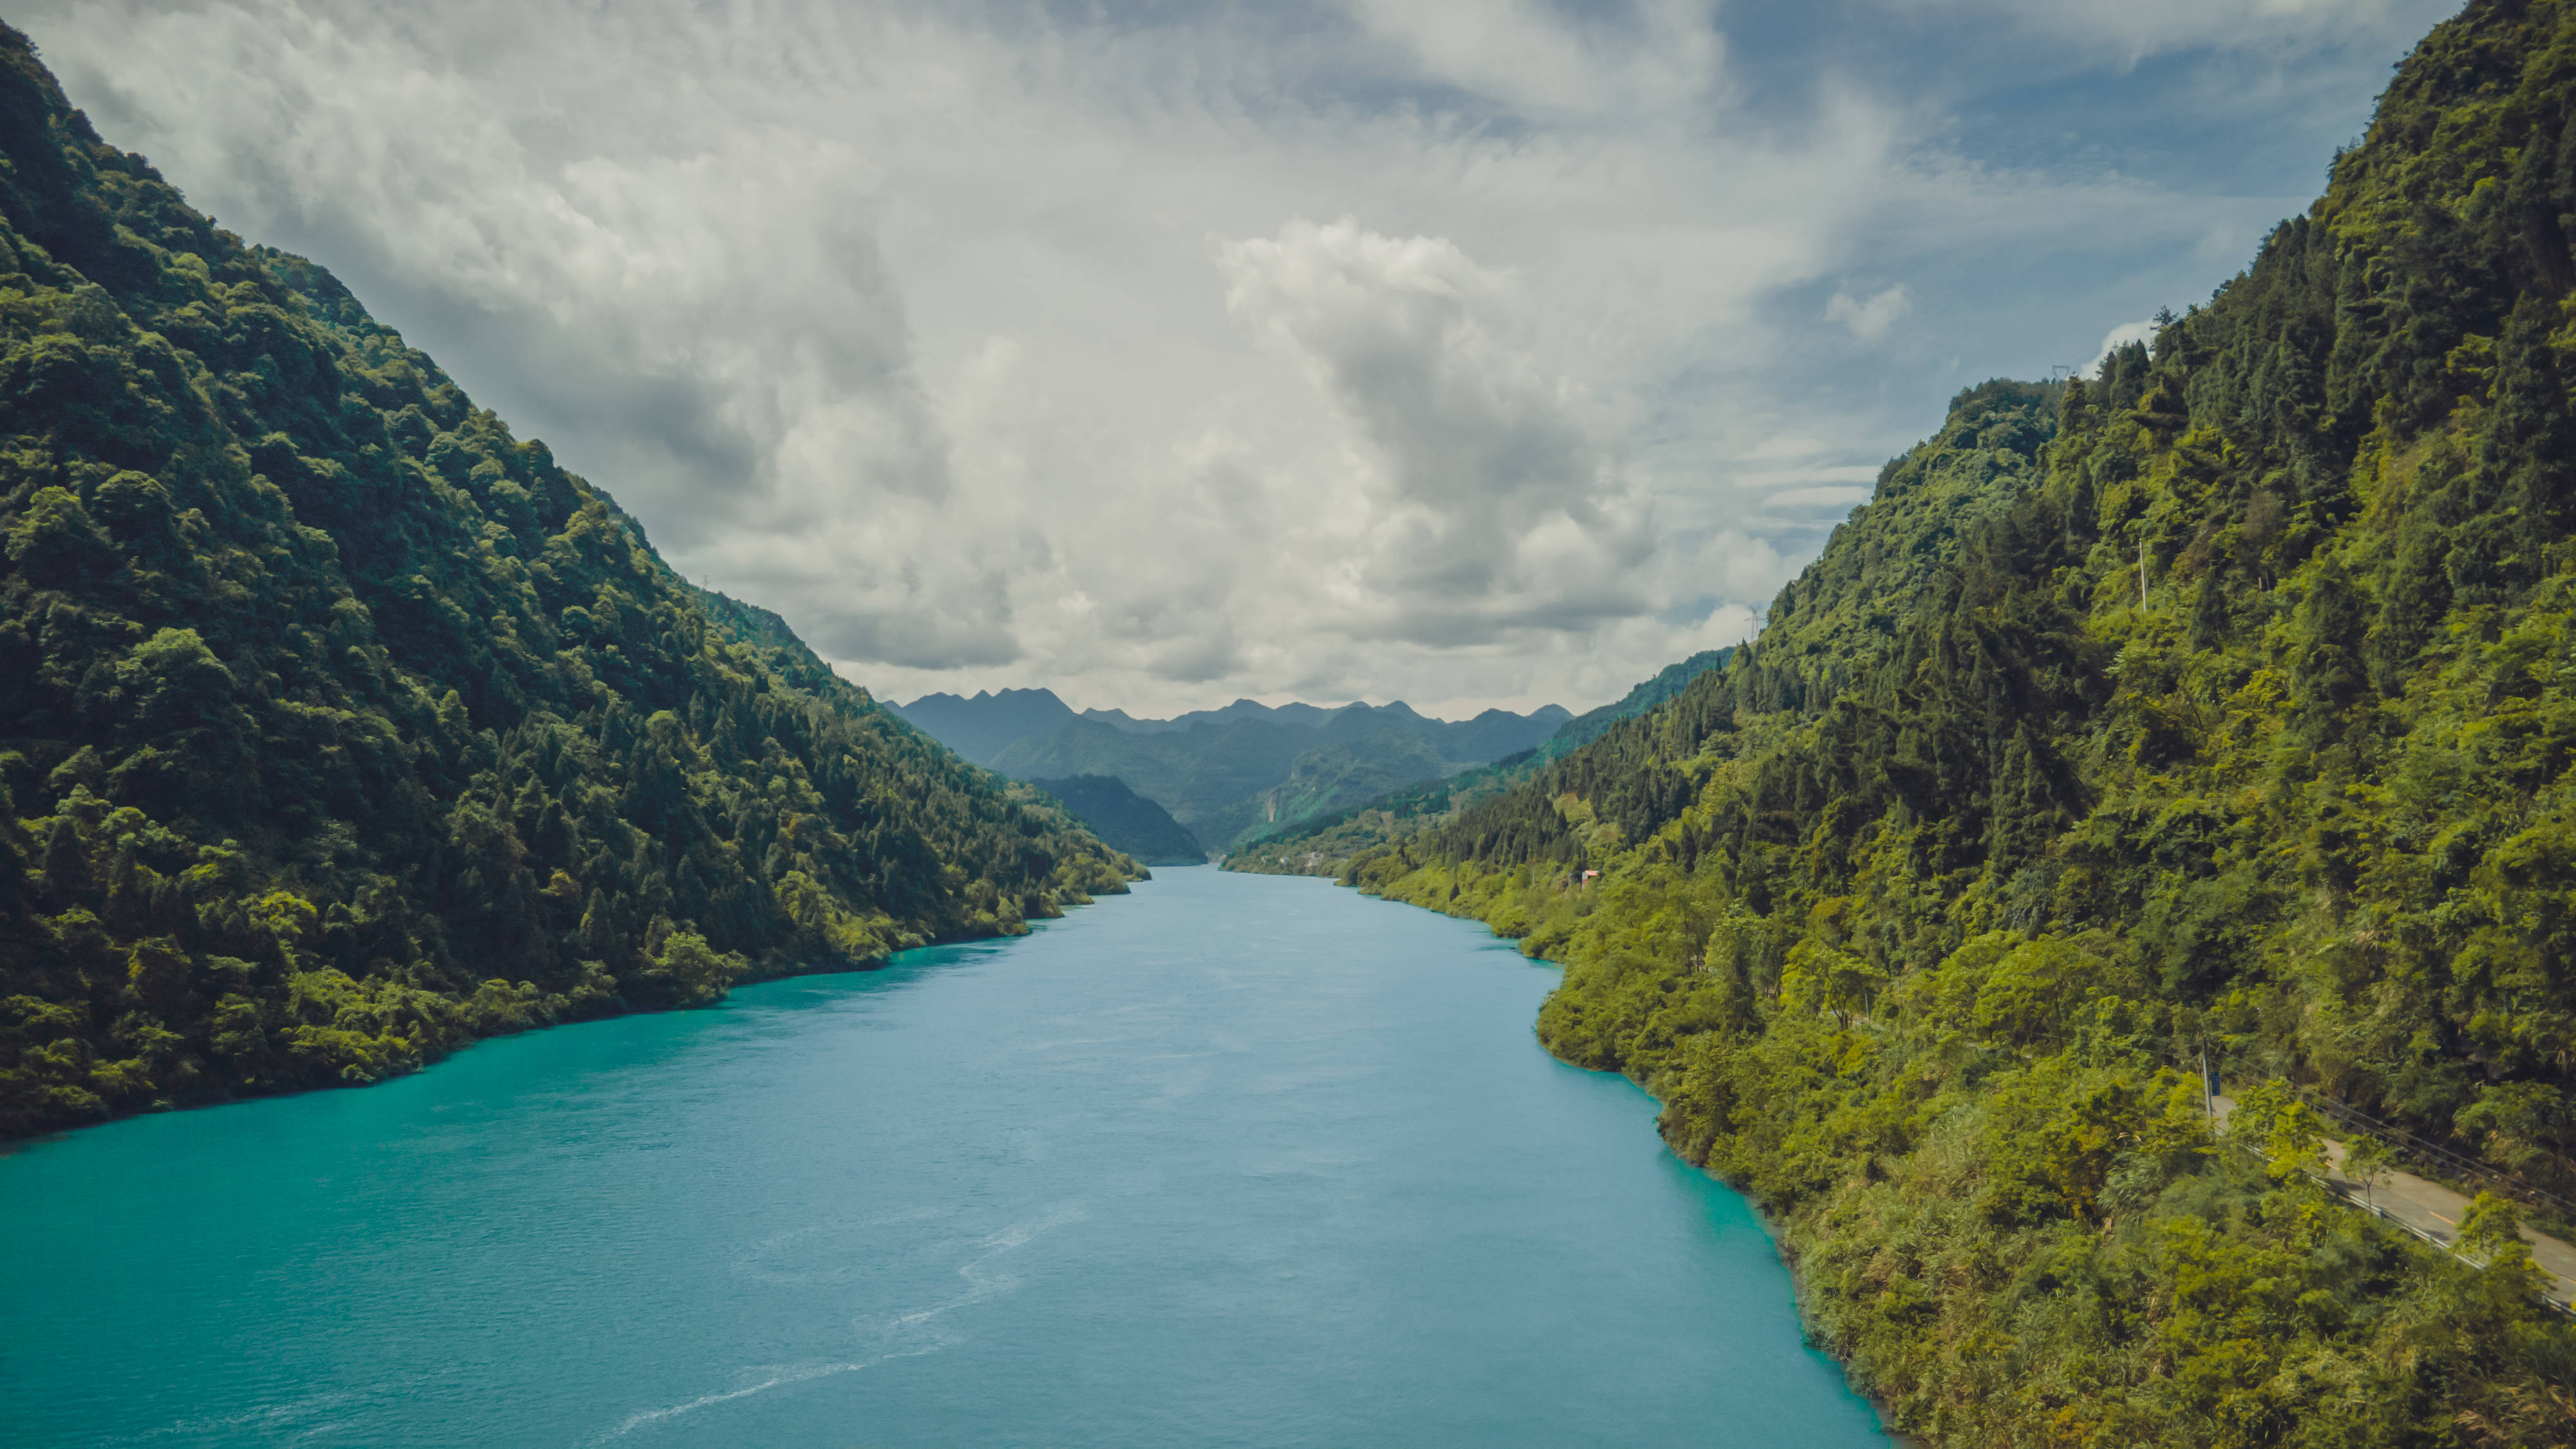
1230	1161
2005	1208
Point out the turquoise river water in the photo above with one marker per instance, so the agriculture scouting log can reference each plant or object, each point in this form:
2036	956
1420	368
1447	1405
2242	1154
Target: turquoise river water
1238	1160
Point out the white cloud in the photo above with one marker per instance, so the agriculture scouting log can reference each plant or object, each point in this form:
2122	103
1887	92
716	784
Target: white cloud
1869	319
986	343
2143	330
1842	495
1534	55
766	427
2140	30
1486	501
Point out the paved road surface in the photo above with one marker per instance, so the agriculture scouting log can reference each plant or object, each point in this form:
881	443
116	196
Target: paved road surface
2435	1211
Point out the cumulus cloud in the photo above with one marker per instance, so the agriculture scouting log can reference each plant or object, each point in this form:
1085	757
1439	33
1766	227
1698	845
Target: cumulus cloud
997	344
2139	30
2143	330
1869	319
775	432
1488	502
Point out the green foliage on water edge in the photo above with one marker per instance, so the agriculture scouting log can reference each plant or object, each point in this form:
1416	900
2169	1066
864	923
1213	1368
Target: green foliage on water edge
2242	721
339	727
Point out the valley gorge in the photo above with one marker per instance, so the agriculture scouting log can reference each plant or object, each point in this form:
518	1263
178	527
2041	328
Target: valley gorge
461	978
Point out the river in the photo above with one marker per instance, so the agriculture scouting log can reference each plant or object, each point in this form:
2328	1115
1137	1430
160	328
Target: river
1238	1160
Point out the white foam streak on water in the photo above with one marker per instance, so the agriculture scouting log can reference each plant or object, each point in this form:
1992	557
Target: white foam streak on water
276	1417
982	1284
649	1416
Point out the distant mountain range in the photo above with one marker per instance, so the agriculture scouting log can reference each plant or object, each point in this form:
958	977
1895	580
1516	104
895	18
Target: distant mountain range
1322	839
1125	820
982	727
1224	773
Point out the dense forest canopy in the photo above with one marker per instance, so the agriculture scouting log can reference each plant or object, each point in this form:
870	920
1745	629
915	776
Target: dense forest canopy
338	726
2222	702
1645	695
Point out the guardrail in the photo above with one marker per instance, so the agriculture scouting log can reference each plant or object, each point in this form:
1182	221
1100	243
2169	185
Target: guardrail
2444	1161
2346	1190
2456	1165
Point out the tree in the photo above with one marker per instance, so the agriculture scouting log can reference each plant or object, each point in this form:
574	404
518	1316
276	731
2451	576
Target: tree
2367	1161
2490	1235
2270	1119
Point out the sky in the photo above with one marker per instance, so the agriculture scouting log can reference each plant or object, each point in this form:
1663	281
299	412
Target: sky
1163	353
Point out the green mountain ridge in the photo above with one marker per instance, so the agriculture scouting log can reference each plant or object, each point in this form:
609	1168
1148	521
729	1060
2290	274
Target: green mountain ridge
1322	840
2227	707
338	727
1209	778
1230	772
982	727
1247	768
1334	774
1125	820
1641	697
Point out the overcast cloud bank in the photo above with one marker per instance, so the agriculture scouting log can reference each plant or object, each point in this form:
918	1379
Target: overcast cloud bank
1490	354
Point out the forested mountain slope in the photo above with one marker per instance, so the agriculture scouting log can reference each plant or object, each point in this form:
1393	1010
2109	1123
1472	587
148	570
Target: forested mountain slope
1248	767
1126	820
1842	610
337	726
1321	840
1645	695
1210	777
2242	724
